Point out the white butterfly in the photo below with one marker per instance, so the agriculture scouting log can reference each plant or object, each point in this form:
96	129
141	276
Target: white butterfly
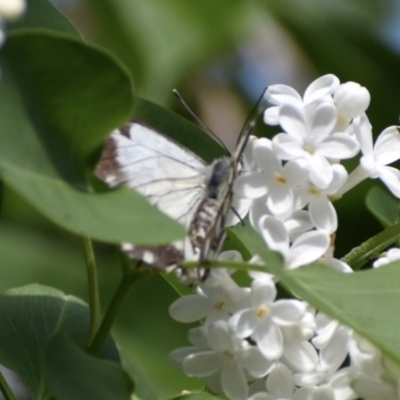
179	183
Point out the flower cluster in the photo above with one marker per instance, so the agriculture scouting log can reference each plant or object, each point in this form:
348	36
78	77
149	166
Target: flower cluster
253	345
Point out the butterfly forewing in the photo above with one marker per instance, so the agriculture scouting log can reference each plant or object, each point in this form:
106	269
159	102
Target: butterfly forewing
170	176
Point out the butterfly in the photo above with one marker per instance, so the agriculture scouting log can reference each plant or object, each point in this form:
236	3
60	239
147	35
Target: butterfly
180	184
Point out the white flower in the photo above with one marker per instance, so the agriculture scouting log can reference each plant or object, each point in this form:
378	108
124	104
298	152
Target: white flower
222	356
298	353
307	248
274	180
12	9
351	100
296	222
216	298
387	257
332	341
279	385
262	320
322	213
321	89
373	163
310	137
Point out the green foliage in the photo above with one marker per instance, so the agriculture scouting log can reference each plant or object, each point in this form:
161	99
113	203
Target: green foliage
383	206
73	374
62	110
61	97
31	316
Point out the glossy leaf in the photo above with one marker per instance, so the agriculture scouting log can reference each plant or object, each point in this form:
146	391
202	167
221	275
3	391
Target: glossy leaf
383	206
58	106
30	316
42	14
71	373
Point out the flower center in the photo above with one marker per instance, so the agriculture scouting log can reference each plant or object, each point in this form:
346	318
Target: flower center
229	354
314	191
262	311
309	148
219	305
280	179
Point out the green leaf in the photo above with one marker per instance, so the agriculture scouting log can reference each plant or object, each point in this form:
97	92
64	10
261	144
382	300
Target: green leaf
383	206
42	14
30	316
178	128
58	106
73	374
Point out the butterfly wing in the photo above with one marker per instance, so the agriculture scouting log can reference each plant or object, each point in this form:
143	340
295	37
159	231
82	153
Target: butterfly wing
171	177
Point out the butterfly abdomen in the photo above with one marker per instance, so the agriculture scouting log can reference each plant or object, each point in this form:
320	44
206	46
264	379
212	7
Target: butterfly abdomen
203	219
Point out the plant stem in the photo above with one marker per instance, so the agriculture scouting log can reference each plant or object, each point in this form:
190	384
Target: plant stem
1	193
372	247
93	286
5	389
120	295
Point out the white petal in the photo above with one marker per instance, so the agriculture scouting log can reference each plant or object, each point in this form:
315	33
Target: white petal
263	292
219	337
391	178
351	99
323	393
301	356
298	223
267	160
190	308
282	94
322	122
198	337
333	355
339	178
387	145
269	339
287	147
275	234
293	121
202	364
255	364
257	211
271	116
251	185
307	248
177	356
280	200
243	323
321	173
296	172
363	130
287	312
280	382
340	146
323	86
373	388
323	214
233	381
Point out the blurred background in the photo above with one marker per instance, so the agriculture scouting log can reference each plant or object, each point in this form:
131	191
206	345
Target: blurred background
221	54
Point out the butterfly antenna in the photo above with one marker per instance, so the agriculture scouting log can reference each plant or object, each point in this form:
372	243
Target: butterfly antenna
238	215
249	124
198	120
